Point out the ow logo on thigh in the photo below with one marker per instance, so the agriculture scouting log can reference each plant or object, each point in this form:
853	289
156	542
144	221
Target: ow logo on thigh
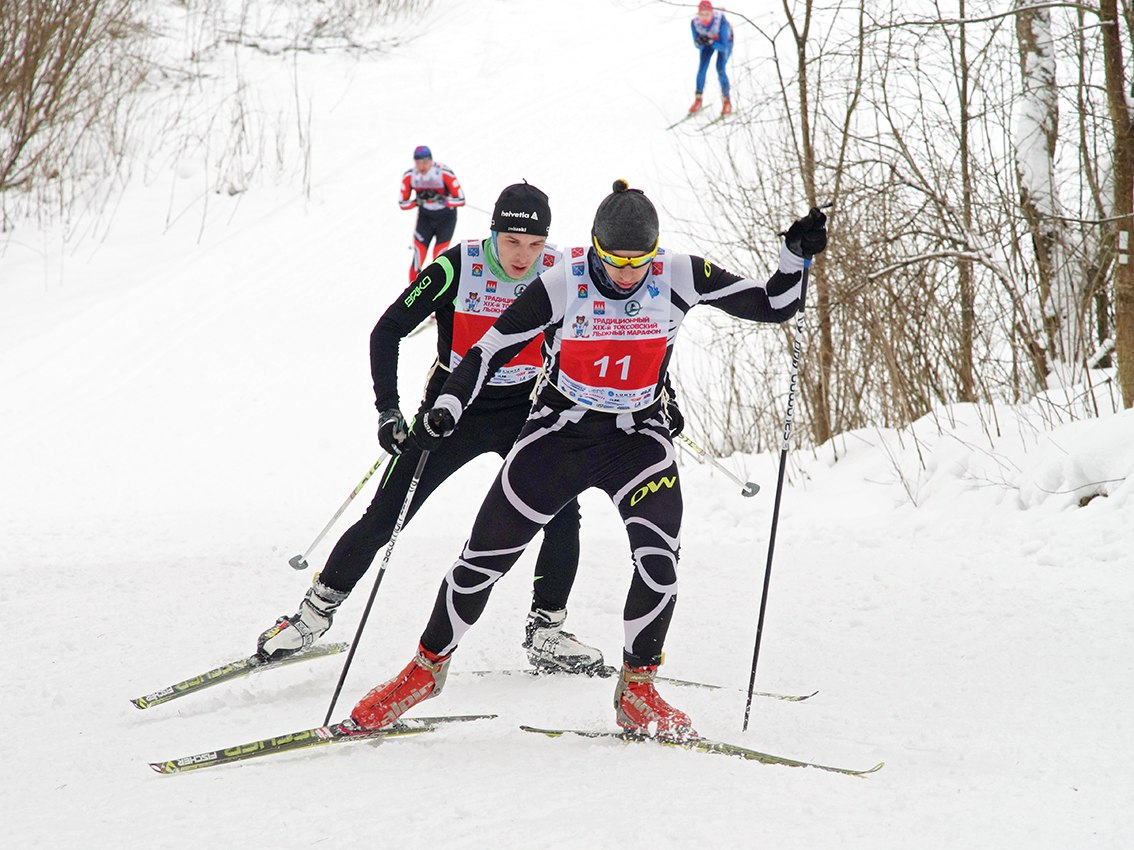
651	487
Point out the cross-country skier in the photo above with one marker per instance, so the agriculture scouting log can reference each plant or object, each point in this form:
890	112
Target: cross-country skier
712	34
599	420
436	194
495	270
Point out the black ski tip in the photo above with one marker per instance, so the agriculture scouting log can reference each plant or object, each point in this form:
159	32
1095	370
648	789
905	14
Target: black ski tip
799	698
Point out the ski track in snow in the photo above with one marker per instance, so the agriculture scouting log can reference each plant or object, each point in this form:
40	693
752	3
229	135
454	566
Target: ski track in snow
183	407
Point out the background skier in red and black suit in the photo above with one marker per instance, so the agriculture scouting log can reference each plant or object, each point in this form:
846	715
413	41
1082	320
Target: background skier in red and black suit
435	191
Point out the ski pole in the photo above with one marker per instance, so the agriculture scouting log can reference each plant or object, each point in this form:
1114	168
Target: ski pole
377	581
748	488
796	349
299	562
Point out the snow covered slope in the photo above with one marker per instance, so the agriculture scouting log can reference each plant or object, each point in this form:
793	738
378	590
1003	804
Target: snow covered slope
185	400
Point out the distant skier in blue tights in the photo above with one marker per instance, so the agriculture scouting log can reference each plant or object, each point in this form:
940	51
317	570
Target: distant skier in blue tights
712	34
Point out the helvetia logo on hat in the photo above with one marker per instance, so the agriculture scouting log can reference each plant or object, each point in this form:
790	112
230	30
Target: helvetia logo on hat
534	216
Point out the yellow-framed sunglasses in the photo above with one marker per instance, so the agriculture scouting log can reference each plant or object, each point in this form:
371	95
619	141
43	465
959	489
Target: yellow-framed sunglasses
623	262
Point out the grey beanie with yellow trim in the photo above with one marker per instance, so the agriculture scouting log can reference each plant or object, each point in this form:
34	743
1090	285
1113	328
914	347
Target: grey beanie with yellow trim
626	220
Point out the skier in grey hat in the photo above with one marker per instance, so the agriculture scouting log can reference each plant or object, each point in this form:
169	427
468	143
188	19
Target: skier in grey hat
599	420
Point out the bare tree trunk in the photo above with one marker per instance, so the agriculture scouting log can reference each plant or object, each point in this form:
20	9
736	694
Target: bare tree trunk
820	389
966	389
1036	131
1092	270
1120	117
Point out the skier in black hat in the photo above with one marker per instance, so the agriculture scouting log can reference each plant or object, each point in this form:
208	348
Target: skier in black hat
465	289
599	420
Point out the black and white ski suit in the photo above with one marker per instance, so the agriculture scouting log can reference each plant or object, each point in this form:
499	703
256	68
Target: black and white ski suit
598	421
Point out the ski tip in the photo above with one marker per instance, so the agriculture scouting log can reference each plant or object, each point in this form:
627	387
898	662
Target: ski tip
874	769
139	702
785	697
163	767
801	697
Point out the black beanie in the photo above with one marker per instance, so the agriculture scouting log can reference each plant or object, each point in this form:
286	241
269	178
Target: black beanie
626	220
522	208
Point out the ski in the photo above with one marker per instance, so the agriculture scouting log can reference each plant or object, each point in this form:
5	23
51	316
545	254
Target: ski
705	745
336	733
234	670
687	683
607	672
689	115
604	672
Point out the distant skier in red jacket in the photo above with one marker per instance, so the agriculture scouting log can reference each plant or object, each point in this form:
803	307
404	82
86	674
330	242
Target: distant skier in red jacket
438	194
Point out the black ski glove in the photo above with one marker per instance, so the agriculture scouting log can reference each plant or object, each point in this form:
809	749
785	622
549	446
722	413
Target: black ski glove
676	419
807	236
432	428
392	431
704	41
672	411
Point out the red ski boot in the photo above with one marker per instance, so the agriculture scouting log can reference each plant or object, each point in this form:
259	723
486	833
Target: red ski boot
726	107
641	710
696	107
421	679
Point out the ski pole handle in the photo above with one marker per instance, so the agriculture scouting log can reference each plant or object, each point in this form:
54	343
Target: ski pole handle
299	562
747	488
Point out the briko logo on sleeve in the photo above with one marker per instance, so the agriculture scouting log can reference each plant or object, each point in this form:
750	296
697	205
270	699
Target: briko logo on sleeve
417	290
652	487
427	280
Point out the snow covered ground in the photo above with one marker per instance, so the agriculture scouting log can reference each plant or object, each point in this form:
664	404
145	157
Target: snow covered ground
185	400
